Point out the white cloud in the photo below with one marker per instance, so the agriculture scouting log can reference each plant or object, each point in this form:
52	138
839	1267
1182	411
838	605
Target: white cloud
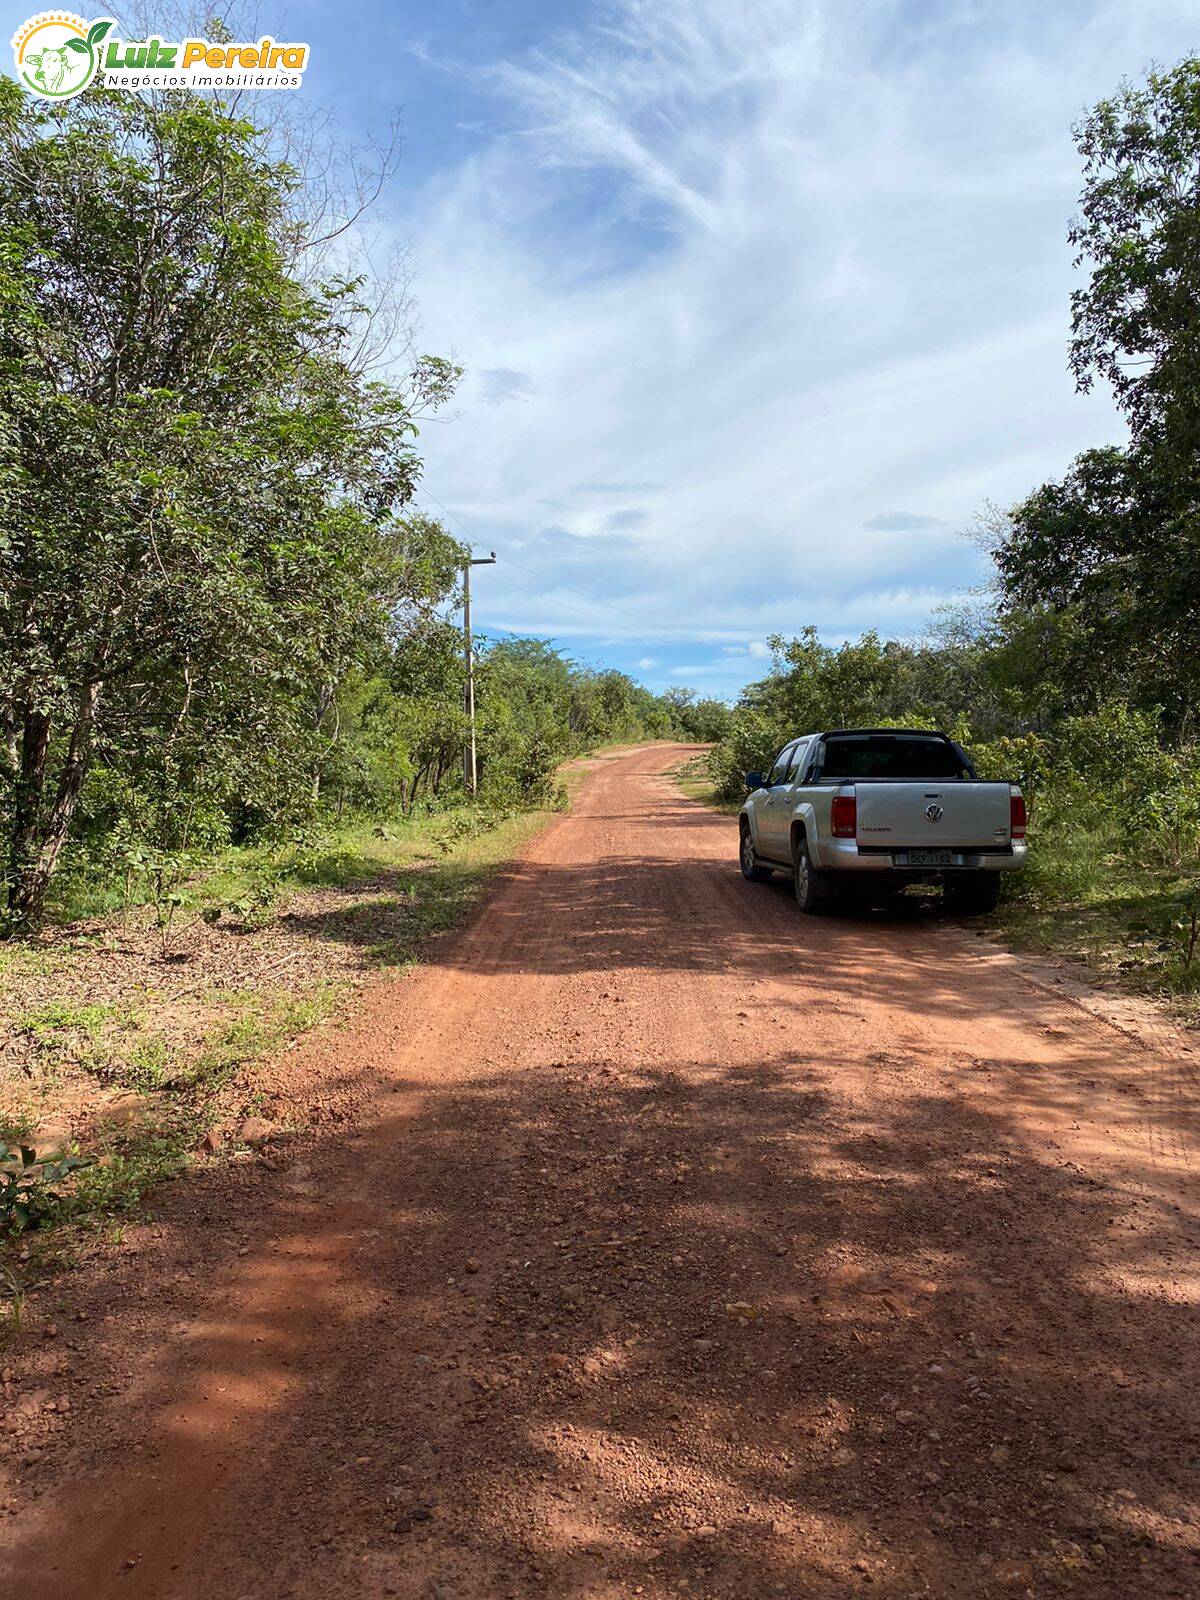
766	272
498	384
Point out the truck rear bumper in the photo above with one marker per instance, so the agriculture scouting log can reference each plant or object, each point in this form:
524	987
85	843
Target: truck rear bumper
844	855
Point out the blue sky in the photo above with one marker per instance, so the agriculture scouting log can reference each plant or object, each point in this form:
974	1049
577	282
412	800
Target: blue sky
760	303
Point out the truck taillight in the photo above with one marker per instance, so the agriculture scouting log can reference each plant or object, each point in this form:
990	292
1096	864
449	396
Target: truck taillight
1017	818
845	816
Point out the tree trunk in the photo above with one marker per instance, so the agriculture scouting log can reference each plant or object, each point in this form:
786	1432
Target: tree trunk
8	737
29	789
38	835
422	772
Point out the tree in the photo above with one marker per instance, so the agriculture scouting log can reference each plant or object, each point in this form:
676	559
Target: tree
1117	540
1109	545
197	483
394	725
1138	233
706	721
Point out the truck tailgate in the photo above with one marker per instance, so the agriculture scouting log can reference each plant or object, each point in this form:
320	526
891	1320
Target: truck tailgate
933	815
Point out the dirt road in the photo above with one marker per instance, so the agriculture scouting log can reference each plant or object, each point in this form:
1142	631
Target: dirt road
672	1244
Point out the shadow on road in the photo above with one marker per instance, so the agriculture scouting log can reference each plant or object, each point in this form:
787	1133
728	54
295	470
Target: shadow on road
721	1339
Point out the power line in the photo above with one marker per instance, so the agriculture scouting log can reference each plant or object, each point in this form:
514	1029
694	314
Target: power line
538	594
655	627
579	611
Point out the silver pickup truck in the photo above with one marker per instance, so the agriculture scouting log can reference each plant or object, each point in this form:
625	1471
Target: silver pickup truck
872	809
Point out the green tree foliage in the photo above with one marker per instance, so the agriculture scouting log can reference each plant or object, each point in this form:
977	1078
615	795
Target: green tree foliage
198	486
1117	540
220	619
867	682
1112	546
1138	234
536	708
705	721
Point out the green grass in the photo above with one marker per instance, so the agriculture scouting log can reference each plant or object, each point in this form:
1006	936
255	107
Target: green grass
63	1032
16	1126
17	959
128	1166
60	1017
265	1025
1083	897
129	1161
245	884
147	1066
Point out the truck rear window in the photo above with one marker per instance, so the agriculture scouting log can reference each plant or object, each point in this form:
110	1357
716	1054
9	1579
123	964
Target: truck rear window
896	756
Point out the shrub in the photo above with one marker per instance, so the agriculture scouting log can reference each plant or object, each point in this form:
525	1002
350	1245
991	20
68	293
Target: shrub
31	1190
751	744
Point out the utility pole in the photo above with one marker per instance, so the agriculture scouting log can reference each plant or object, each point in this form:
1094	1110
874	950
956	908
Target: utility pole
470	774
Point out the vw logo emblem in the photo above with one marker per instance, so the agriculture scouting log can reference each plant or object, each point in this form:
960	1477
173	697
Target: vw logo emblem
933	813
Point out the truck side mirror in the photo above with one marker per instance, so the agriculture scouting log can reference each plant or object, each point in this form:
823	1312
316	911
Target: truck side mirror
754	780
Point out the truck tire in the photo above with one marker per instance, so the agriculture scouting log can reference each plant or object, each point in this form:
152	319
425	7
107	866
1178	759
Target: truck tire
751	871
814	889
973	894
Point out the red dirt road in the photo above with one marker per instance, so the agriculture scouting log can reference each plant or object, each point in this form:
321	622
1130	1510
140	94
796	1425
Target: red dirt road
674	1245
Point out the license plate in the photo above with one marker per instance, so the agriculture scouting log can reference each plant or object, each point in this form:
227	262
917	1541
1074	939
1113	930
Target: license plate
930	858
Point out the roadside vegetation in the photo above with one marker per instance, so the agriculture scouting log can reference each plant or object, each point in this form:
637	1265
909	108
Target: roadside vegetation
1076	672
122	1063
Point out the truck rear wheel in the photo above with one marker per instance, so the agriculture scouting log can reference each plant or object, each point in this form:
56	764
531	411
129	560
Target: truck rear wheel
973	894
814	889
748	858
